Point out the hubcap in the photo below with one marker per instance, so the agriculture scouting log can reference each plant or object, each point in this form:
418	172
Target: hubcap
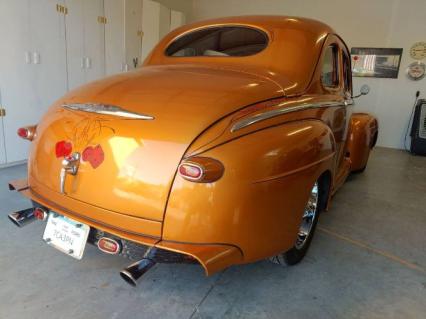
308	218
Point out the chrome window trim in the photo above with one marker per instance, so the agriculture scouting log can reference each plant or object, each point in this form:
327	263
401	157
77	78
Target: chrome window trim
217	26
106	109
284	110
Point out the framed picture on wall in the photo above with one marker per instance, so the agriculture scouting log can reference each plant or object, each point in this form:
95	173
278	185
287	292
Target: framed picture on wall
376	62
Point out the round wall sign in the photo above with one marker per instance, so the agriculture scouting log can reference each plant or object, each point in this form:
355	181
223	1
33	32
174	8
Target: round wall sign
418	50
416	70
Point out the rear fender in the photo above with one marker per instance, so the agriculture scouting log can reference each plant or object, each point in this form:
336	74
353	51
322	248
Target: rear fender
258	202
362	138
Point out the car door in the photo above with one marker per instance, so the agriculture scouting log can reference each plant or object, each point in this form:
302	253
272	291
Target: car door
335	86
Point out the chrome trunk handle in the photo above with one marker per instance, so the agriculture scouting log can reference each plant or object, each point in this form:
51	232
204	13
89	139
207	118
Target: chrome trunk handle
70	166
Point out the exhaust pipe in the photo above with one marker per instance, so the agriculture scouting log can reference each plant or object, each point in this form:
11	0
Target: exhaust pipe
132	273
23	217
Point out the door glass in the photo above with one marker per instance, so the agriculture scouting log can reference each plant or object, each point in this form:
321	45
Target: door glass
347	74
329	72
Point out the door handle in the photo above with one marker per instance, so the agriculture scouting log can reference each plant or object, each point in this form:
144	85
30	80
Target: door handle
348	102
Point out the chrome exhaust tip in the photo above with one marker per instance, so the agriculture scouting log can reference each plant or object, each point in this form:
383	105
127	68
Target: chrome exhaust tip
132	273
23	217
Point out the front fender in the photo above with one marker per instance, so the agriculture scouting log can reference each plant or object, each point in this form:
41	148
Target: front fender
258	202
362	138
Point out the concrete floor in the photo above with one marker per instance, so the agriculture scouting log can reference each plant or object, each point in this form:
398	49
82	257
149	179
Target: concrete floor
367	260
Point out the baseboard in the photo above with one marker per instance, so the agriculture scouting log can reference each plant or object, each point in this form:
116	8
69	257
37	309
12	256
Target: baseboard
13	164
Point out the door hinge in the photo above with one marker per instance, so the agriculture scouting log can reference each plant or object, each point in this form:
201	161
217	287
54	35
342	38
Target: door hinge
2	112
140	33
102	20
61	9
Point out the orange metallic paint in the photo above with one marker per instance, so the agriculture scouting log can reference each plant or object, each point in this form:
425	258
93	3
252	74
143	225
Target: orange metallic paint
258	203
254	209
362	139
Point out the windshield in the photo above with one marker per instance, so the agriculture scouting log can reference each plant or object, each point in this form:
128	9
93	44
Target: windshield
220	42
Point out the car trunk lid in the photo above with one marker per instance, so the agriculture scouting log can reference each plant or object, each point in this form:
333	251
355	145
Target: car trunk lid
128	164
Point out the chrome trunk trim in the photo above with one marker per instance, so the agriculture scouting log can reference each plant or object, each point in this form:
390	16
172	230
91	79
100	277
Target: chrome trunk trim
106	109
284	110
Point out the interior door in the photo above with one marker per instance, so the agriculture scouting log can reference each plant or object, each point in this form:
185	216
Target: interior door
150	26
94	39
114	36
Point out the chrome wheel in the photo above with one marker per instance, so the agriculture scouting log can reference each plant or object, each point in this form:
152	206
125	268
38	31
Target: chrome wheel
308	218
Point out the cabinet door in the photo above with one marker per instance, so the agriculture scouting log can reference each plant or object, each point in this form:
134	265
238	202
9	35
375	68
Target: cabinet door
49	76
164	21
17	94
32	66
133	35
150	26
177	19
94	39
2	146
74	25
114	36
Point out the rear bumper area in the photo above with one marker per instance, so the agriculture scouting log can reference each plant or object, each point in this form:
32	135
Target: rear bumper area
213	257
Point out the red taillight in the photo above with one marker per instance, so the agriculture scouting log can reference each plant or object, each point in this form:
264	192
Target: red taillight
190	171
109	245
40	213
27	132
201	169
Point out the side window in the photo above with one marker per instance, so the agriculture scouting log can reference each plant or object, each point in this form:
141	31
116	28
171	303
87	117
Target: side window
330	72
347	73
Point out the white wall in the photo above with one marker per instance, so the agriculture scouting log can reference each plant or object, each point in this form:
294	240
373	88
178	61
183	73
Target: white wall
362	23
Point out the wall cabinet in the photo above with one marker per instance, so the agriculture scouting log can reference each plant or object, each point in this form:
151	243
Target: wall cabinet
155	25
115	56
2	146
133	33
50	46
33	67
85	41
177	19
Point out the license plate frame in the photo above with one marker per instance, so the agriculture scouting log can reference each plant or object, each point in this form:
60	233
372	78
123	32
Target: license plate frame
66	235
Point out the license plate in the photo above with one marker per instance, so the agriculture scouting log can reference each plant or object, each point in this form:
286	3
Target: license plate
65	234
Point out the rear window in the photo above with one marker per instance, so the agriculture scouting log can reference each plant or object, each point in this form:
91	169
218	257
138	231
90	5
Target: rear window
219	42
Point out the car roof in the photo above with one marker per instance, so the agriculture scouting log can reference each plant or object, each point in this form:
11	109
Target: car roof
289	59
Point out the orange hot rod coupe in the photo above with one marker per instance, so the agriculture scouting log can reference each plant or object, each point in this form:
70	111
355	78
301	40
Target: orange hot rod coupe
221	150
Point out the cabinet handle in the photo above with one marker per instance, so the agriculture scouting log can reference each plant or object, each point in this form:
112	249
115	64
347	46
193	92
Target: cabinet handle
36	58
87	62
82	62
27	57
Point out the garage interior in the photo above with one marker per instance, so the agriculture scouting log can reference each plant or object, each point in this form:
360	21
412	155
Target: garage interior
368	258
